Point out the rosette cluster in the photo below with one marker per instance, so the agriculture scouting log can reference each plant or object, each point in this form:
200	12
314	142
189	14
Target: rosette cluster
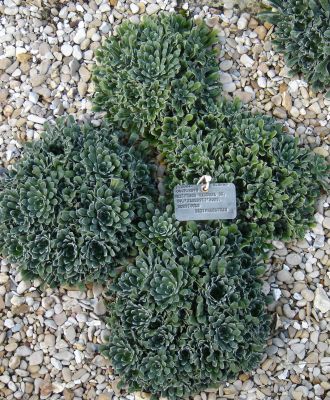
67	208
188	317
160	67
271	172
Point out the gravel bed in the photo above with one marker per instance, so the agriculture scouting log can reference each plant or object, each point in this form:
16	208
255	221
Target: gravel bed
50	338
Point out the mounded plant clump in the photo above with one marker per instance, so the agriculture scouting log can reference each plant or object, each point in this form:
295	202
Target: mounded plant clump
190	315
189	311
161	67
277	182
67	208
303	34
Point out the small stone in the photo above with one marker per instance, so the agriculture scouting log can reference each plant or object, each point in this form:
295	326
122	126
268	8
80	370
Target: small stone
321	300
37	80
319	241
10	51
33	97
105	27
36	358
225	78
294	112
47	302
7	112
142	7
288	312
23	57
297	395
105	396
5	379
142	396
307	294
212	21
286	101
277	100
262	82
79	37
14	362
22	287
70	333
49	340
261	31
66	49
321	151
84	73
46	388
298	348
23	351
3	95
11	347
299	276
100	308
58	387
242	49
43	92
60	318
134	8
242	23
293	259
226	65
312	358
152	9
315	107
64	355
245	97
284	276
326	223
229	87
300	392
77	54
82	88
16	328
5	63
36	119
263	67
69	395
247	61
318	390
280	113
277	293
76	294
9	323
4	278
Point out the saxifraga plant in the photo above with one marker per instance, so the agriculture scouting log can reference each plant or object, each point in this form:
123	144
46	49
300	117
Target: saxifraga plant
302	34
163	66
67	208
188	318
277	182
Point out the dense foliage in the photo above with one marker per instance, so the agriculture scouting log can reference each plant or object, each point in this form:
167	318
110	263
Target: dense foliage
163	66
186	319
303	34
277	182
189	312
66	210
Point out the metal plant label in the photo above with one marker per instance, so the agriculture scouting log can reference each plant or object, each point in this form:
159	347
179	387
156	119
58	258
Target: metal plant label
191	203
